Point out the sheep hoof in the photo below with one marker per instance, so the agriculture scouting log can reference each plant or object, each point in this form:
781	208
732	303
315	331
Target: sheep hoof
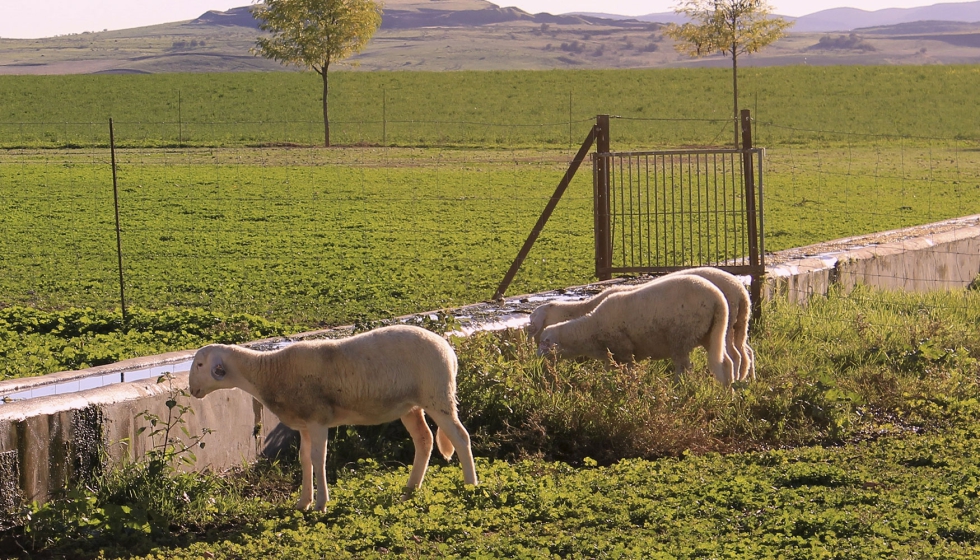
407	493
303	505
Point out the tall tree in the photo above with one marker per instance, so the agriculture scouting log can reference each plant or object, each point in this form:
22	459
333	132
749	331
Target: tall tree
732	27
315	33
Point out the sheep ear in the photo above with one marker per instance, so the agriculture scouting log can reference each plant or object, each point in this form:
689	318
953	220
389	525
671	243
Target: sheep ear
218	372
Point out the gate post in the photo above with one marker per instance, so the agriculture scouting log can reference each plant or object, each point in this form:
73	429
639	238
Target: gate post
600	187
750	209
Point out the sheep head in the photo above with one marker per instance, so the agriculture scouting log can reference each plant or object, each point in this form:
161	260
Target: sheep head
549	342
209	371
536	322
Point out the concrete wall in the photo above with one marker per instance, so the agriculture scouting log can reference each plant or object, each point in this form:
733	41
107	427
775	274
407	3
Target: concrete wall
944	255
49	440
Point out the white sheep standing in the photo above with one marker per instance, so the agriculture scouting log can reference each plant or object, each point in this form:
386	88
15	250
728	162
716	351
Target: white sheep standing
371	378
666	318
739	309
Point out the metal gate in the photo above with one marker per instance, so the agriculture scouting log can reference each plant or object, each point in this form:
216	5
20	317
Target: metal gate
661	211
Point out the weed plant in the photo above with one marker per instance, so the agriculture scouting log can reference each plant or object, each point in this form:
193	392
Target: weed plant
858	439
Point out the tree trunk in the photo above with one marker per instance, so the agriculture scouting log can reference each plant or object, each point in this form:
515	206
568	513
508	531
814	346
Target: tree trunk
735	92
326	114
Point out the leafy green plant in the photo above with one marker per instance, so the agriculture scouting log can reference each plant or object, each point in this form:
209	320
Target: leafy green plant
167	448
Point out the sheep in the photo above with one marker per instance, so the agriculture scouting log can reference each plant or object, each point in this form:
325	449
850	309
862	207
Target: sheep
666	318
393	372
739	306
739	312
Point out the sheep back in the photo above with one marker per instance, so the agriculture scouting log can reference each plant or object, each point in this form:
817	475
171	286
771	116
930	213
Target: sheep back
666	318
370	378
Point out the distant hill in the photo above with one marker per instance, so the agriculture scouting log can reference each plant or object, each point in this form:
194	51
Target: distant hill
659	17
409	17
441	35
848	19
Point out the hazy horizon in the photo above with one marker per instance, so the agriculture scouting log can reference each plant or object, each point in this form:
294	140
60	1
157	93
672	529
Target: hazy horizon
47	18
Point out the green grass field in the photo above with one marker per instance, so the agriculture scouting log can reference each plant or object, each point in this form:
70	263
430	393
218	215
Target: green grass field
219	212
805	105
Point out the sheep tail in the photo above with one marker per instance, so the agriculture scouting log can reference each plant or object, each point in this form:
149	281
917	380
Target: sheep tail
446	447
721	364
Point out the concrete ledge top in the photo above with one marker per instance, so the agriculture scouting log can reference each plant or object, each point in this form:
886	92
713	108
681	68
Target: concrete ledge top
821	256
120	392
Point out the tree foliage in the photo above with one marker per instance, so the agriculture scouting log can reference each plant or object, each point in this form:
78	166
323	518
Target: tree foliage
315	33
732	27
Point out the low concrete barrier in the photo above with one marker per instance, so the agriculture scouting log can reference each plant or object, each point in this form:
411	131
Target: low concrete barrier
50	440
942	255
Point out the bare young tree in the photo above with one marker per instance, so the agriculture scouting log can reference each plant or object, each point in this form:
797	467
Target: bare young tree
315	33
732	27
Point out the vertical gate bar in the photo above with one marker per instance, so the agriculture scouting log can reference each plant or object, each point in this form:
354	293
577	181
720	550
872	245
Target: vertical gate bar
762	213
724	201
619	222
603	239
634	209
634	212
750	212
738	209
673	211
680	164
689	239
623	195
700	220
639	211
713	208
646	177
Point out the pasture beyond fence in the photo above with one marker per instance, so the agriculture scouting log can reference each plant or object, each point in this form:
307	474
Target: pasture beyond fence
315	237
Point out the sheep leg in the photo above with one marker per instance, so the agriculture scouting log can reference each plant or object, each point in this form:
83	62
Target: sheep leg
306	491
735	353
721	365
748	356
318	452
682	365
746	367
450	425
414	422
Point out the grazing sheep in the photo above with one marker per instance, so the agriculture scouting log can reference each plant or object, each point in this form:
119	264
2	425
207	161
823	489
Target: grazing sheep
739	312
666	318
372	378
739	308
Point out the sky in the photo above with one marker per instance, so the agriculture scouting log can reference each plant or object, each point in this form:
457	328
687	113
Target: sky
27	19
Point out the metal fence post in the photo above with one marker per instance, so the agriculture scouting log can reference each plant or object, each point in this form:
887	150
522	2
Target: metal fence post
748	170
115	198
600	182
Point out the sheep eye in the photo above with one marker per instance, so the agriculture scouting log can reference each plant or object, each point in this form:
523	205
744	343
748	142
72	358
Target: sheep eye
201	364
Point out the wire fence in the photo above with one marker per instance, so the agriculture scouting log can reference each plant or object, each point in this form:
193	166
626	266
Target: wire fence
406	216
